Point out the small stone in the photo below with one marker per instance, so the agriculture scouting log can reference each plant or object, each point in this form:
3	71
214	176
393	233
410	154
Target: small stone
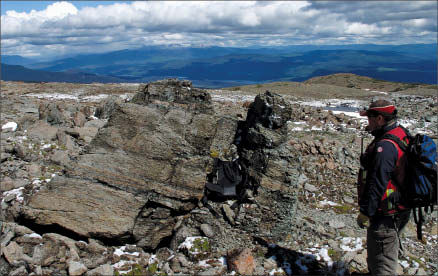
21	230
229	213
330	165
310	188
13	252
6	238
105	269
95	247
76	268
348	199
336	224
241	261
207	230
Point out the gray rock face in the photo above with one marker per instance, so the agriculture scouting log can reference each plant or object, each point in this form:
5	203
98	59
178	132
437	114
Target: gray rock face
271	161
147	166
87	208
157	146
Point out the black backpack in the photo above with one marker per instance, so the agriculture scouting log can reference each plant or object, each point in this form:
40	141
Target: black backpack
419	190
227	180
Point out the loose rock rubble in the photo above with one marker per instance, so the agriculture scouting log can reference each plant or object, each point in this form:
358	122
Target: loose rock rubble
86	188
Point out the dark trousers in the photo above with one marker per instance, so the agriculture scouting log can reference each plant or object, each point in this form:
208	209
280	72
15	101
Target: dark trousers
383	243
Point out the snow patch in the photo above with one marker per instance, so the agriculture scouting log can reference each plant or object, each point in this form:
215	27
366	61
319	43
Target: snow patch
10	125
33	235
17	192
351	244
121	251
328	202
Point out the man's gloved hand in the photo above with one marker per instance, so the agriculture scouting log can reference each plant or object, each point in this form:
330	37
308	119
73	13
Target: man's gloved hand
363	221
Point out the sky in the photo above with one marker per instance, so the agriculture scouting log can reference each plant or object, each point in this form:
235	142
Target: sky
53	28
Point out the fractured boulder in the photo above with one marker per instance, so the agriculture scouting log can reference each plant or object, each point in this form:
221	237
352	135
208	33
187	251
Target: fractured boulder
153	150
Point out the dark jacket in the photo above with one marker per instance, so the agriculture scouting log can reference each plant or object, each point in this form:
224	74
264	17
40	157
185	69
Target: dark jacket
382	163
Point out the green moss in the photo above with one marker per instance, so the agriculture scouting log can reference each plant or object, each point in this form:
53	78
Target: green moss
138	270
334	255
152	268
343	209
331	252
200	245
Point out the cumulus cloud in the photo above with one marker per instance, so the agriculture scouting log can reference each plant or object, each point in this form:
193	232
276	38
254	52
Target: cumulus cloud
62	28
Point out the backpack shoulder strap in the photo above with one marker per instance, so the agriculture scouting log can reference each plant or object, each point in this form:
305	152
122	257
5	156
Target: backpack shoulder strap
408	134
400	143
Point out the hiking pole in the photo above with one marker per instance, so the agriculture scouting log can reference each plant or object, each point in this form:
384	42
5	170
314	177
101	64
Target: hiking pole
360	184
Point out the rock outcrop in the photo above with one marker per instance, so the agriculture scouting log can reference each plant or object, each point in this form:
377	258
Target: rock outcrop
144	168
271	161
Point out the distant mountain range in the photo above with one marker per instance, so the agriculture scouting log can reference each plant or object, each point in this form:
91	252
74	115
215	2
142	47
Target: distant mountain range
21	73
224	66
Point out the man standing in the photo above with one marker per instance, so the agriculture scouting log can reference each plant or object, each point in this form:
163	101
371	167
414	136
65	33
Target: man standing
382	171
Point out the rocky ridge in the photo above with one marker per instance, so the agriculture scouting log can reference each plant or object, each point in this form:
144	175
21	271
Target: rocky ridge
77	199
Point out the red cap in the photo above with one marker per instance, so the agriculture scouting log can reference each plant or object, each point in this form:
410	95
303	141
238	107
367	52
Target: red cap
379	107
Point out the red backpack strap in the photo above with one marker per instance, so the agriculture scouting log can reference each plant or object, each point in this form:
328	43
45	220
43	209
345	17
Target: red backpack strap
399	151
